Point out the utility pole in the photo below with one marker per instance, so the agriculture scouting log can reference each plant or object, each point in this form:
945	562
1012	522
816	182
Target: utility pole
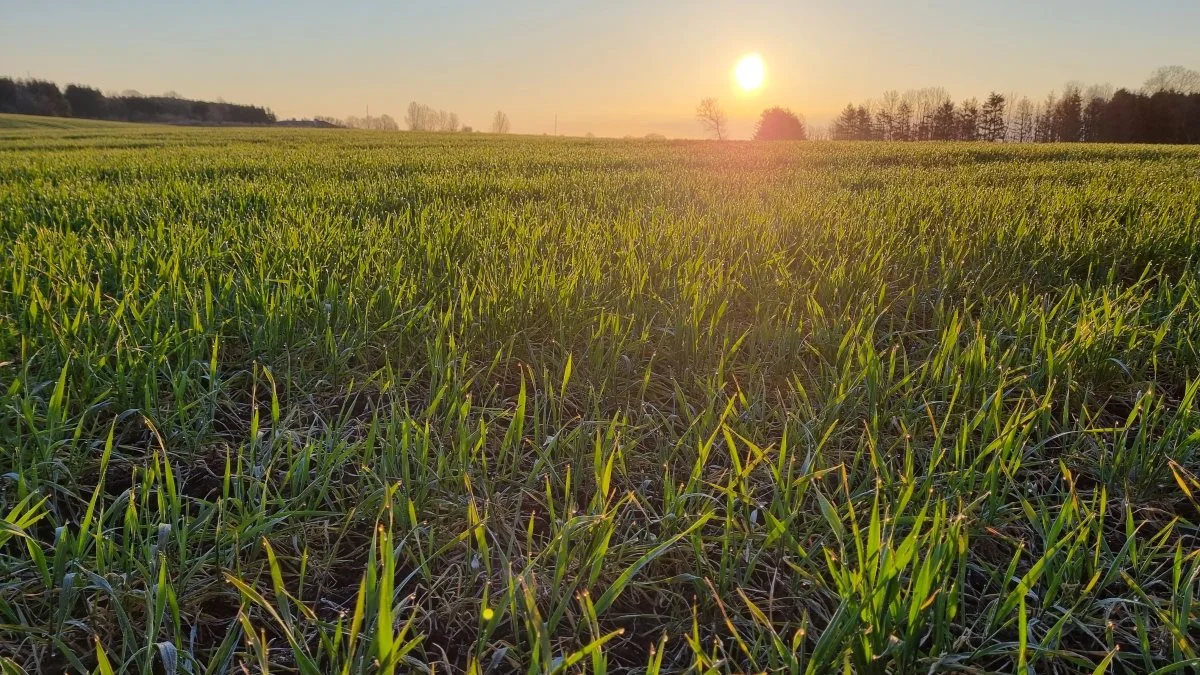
555	124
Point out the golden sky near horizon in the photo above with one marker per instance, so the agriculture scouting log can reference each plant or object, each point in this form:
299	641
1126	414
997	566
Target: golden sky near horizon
610	68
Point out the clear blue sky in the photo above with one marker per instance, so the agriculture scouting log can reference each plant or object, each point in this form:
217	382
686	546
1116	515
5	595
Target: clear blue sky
612	67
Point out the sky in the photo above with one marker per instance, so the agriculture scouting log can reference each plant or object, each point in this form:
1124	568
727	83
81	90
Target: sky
612	67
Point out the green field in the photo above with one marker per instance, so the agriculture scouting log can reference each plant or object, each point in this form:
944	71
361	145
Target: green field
10	122
335	401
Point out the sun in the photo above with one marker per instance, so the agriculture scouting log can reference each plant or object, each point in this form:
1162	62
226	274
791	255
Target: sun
750	72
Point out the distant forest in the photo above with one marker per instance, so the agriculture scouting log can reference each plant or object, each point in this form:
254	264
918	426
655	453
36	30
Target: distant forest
1166	110
41	97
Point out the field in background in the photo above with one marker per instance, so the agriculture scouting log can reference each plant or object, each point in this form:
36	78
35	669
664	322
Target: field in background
333	401
10	122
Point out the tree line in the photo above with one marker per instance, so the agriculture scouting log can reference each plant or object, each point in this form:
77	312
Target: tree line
1166	110
419	117
380	123
42	97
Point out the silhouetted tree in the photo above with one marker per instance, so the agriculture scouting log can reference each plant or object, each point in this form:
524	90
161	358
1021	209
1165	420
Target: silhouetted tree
9	93
845	126
712	118
1121	118
45	98
902	122
991	118
968	120
85	101
864	127
780	124
201	110
1068	117
883	123
1093	120
1045	128
945	122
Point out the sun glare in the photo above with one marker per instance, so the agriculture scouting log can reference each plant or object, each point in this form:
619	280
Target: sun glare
750	72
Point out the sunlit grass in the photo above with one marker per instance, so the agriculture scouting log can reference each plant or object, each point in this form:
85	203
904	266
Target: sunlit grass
342	402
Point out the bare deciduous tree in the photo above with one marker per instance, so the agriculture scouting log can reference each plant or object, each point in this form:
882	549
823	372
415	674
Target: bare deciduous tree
886	113
500	124
1173	78
818	133
1103	92
924	103
712	118
381	123
415	117
1044	119
1026	120
421	117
